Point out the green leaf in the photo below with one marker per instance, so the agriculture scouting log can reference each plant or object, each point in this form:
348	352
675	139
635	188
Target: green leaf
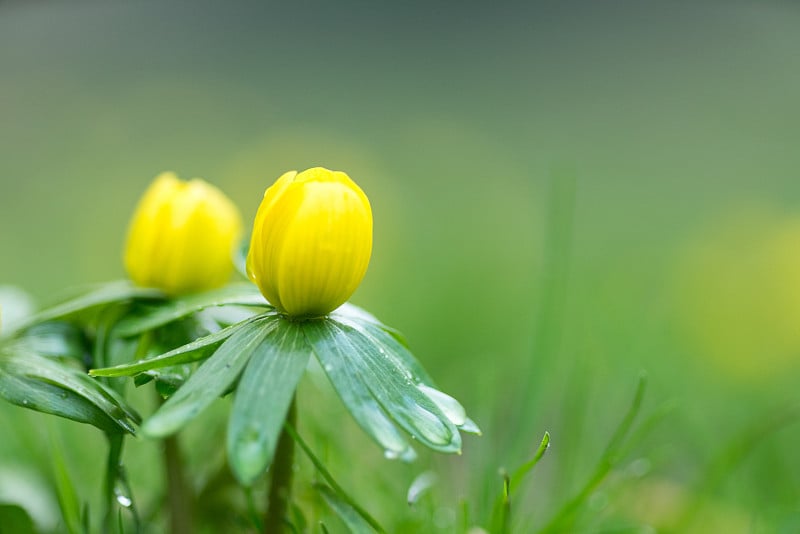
67	496
263	397
32	366
47	398
191	352
337	488
396	349
16	519
353	391
101	295
210	380
395	388
525	468
243	294
55	340
360	315
354	522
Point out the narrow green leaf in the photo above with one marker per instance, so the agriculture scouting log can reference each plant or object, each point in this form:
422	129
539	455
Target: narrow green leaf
340	492
354	522
47	398
360	315
210	380
395	388
52	372
188	353
353	391
563	519
100	295
470	427
395	349
525	468
67	496
263	397
243	294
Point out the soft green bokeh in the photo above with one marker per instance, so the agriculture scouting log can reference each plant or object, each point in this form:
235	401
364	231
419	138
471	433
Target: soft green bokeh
560	194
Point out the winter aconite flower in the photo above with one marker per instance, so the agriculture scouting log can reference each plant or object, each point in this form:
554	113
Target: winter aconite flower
311	242
181	236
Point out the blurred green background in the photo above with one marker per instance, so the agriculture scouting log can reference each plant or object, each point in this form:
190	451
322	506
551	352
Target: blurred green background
565	194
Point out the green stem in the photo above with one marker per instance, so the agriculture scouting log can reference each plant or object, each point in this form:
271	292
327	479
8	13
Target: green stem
112	472
178	495
280	488
332	481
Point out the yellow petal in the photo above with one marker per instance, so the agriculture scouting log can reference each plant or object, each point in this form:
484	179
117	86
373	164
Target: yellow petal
181	236
311	242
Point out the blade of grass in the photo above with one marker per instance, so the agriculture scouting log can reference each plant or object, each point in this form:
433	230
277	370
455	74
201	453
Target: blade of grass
562	520
331	481
736	451
67	496
525	468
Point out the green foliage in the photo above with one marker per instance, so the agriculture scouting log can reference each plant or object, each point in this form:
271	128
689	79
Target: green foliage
14	519
262	398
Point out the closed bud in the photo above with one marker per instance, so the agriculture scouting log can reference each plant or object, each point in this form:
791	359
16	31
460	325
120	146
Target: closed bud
311	242
182	236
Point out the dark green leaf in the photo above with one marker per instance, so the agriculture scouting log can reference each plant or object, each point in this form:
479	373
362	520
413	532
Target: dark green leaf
35	367
14	519
353	391
47	398
210	380
354	522
263	397
397	350
395	388
244	294
398	354
191	352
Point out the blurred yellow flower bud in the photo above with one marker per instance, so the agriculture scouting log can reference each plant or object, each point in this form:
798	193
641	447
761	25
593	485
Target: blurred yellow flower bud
182	236
311	242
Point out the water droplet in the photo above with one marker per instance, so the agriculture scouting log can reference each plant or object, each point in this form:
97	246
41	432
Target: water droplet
390	454
420	485
124	500
25	402
639	468
409	455
328	367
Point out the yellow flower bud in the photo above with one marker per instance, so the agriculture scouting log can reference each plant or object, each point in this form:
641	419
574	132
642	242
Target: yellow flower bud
182	236
311	242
